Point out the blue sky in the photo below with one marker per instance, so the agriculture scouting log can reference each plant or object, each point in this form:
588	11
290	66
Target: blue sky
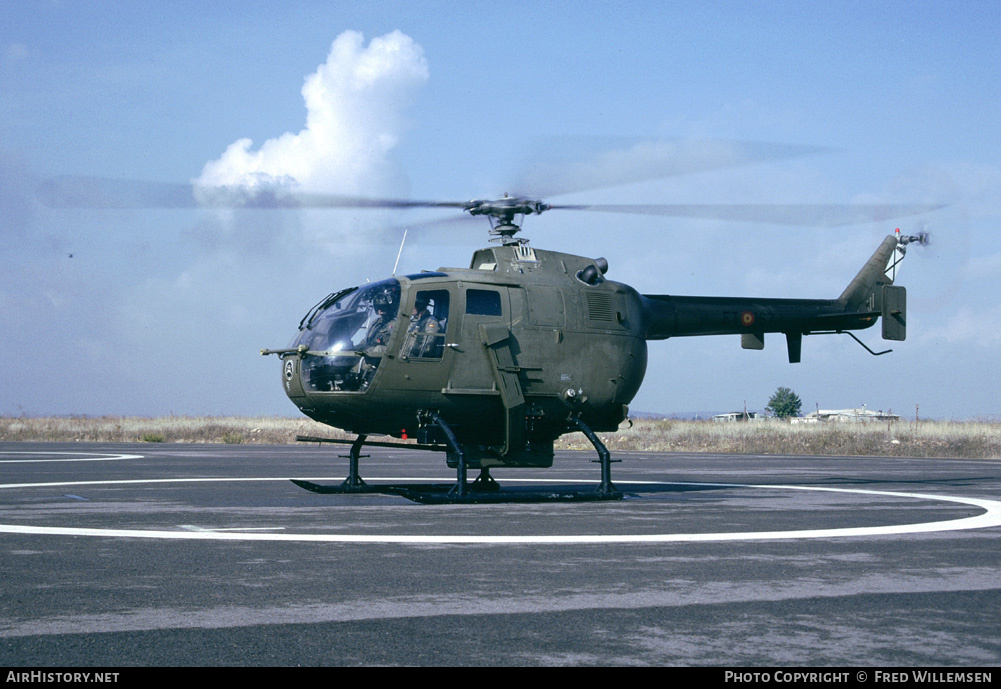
164	311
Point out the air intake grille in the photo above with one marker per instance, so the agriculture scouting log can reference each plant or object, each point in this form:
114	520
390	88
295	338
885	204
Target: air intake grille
599	306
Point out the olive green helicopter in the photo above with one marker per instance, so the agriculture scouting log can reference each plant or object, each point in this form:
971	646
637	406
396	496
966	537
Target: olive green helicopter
491	363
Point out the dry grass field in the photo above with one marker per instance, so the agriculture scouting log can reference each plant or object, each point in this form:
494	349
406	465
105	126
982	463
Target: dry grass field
165	429
972	440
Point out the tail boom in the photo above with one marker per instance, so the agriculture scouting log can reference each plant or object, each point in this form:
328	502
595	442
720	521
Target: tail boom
869	296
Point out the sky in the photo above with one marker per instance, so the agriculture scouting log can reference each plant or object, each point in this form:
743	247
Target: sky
163	311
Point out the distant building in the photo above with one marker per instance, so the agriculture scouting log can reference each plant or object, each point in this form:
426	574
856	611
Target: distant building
848	415
735	416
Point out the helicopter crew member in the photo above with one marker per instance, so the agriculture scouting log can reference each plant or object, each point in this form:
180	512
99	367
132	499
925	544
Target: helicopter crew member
377	337
424	328
381	328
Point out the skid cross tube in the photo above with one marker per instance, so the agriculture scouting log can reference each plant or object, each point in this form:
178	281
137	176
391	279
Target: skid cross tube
606	487
460	489
354	480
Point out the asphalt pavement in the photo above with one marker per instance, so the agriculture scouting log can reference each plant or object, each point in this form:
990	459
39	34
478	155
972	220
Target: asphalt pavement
125	555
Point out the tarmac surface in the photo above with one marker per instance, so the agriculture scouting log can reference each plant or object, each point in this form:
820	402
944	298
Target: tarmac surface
122	555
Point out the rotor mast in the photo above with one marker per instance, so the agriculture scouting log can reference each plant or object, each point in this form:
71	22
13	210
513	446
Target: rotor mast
506	215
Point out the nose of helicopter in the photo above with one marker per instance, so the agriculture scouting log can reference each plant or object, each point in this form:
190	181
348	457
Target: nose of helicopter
291	381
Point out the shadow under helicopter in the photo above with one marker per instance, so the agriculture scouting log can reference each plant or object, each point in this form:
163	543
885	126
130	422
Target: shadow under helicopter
444	493
491	492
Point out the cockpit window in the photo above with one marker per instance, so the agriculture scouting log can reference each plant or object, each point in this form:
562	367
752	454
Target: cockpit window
347	337
427	327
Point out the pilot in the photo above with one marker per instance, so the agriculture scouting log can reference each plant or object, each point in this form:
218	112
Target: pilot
377	336
423	322
382	327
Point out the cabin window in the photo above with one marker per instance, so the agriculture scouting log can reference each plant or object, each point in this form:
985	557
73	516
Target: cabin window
483	302
427	327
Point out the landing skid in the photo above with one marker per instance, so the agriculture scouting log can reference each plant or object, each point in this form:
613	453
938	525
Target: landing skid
483	490
339	489
444	493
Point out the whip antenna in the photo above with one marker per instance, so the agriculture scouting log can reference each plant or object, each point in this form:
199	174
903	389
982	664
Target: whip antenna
399	253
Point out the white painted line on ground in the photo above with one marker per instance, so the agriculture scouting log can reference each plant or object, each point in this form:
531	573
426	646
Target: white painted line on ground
192	527
991	517
99	457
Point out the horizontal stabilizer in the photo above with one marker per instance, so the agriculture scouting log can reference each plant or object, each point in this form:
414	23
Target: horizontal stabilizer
894	312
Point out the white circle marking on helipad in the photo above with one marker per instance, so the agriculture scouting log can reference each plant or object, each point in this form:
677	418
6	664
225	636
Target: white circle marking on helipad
991	517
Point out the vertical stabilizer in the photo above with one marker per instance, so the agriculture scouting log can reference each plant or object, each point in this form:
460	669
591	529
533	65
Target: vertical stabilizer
865	291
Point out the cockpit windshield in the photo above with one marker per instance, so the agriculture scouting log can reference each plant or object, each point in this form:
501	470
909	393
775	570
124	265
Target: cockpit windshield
347	337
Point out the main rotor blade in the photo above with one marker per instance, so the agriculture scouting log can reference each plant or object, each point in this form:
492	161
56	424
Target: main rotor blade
802	214
627	161
452	229
71	191
102	192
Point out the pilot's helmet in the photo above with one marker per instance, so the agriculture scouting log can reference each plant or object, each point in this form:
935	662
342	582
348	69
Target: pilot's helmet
384	301
421	302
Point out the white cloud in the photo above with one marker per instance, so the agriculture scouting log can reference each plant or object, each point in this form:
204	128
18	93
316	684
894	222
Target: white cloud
14	52
354	103
257	271
984	267
969	326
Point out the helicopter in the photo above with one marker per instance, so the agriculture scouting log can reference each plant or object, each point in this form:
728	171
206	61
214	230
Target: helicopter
490	364
494	362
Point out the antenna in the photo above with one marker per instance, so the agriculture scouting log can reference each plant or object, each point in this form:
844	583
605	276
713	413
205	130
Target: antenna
399	253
